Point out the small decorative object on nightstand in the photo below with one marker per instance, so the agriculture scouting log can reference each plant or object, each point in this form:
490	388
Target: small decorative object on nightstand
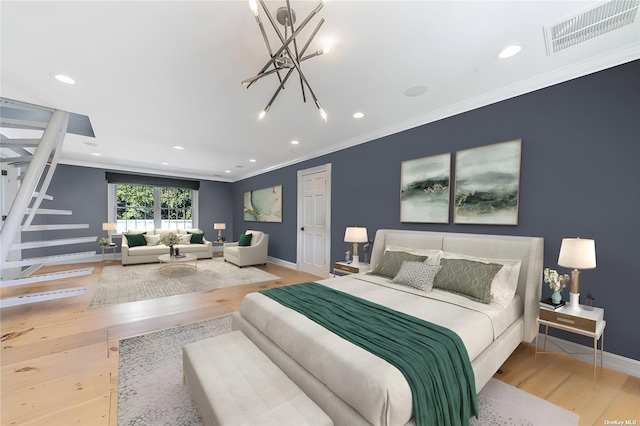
344	268
556	282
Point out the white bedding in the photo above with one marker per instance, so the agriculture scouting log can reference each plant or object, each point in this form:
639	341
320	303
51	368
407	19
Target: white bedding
373	387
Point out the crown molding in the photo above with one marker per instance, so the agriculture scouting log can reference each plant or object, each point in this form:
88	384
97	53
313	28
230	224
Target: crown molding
561	75
122	168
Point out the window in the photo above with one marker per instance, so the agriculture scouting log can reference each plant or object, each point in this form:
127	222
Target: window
134	206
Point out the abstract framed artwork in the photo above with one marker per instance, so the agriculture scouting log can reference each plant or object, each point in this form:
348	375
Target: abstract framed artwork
487	187
263	205
425	189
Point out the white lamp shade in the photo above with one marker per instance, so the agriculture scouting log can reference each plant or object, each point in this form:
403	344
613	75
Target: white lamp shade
577	253
355	235
219	226
109	226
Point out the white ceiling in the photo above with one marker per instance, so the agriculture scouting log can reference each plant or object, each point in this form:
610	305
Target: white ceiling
151	74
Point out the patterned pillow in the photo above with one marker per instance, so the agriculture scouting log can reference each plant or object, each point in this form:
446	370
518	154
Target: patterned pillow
467	278
392	262
417	275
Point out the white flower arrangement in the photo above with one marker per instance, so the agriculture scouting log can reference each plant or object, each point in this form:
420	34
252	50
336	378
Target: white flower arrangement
556	281
104	242
170	239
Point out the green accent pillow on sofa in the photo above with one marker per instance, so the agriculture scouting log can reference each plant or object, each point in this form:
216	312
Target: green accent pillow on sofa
245	240
135	240
196	238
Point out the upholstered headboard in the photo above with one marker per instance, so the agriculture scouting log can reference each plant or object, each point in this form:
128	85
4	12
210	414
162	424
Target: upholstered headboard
529	250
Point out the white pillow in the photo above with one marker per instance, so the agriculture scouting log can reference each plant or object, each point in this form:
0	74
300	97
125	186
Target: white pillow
185	239
433	256
152	240
505	282
416	275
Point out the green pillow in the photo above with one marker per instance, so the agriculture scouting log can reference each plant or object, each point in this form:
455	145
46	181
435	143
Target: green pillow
392	262
135	240
245	240
196	238
467	278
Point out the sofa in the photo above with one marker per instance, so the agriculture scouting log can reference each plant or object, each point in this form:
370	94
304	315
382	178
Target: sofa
149	252
254	254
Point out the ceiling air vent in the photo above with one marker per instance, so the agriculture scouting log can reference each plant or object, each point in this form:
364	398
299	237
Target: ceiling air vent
589	23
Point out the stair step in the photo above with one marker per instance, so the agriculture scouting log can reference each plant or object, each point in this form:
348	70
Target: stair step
55	227
53	243
23	124
48	260
44	197
21	159
47	277
51	211
43	296
24	143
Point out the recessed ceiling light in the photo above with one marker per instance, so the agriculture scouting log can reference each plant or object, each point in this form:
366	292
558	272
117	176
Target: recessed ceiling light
509	51
178	147
227	171
358	115
252	160
165	164
294	142
415	91
63	78
96	154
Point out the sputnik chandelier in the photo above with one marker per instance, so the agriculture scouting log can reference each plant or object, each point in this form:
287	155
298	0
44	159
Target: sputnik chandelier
289	56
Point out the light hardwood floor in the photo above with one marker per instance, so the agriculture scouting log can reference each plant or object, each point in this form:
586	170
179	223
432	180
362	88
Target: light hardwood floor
59	359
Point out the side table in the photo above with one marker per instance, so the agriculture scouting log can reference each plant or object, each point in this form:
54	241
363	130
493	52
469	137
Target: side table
583	322
344	268
111	247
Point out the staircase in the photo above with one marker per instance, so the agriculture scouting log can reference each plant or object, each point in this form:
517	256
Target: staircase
28	165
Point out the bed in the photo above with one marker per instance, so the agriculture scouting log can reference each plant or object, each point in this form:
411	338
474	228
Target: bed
353	386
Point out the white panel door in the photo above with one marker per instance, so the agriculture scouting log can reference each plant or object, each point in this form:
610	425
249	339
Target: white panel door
313	221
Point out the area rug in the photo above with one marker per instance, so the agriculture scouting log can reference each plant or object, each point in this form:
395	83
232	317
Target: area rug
122	284
151	392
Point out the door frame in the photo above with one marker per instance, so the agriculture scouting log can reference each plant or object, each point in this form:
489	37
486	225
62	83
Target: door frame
327	231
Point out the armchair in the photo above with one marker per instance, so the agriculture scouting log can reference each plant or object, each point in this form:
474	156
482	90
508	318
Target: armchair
255	254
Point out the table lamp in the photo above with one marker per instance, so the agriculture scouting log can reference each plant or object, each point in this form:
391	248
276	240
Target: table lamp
219	227
355	235
577	253
109	227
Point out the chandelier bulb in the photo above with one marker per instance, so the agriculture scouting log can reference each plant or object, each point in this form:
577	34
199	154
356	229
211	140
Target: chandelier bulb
326	50
262	114
323	114
253	4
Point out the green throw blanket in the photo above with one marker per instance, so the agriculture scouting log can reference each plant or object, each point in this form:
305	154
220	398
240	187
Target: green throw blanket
432	358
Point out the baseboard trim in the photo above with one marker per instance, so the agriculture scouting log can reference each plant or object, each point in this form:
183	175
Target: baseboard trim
585	353
283	263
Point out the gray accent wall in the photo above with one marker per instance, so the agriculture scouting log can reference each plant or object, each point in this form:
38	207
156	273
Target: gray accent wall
84	191
580	176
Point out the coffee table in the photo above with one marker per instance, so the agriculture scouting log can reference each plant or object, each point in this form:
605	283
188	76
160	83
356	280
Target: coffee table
170	264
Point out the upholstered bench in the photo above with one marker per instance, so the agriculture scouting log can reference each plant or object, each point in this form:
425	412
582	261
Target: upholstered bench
233	383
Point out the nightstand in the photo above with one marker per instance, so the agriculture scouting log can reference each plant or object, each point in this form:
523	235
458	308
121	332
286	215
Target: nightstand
587	323
344	268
